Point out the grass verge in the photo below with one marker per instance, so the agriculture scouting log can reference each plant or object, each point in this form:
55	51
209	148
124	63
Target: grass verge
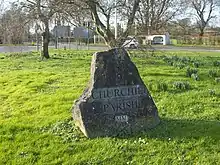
36	98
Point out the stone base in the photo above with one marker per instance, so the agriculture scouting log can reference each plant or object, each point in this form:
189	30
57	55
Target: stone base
116	101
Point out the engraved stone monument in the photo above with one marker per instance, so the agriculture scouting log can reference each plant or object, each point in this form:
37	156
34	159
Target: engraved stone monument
116	100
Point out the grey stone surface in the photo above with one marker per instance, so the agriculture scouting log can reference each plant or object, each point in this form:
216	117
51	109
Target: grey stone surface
116	101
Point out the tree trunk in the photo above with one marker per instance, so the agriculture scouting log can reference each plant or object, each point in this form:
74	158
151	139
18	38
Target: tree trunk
105	31
110	40
201	36
46	40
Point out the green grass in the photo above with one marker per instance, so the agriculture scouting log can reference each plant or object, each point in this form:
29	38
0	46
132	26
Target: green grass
36	126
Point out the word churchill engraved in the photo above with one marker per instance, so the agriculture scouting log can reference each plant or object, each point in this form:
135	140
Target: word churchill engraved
116	100
126	91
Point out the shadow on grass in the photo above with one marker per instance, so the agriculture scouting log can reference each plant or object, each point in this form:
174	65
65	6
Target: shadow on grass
178	91
183	128
180	129
60	58
164	75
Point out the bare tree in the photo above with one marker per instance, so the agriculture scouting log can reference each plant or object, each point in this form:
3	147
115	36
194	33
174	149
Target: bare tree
1	3
153	15
101	13
13	25
204	13
1	28
43	11
74	13
181	27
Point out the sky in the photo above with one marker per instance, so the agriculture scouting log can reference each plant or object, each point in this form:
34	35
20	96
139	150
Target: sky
7	3
213	22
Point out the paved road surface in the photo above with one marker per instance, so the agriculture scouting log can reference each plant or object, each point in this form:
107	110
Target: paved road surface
8	49
192	49
11	49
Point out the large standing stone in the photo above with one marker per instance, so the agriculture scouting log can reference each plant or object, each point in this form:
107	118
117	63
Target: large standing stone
116	100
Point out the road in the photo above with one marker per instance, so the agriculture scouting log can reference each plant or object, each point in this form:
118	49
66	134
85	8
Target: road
8	49
188	48
19	49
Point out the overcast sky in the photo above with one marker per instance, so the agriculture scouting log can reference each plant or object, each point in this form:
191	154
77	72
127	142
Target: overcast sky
214	21
7	2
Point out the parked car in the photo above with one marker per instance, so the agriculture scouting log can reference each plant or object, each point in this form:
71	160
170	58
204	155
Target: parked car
158	40
131	43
